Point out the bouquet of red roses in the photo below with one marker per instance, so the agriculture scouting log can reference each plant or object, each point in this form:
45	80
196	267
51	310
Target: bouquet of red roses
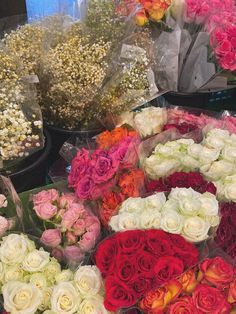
208	288
135	262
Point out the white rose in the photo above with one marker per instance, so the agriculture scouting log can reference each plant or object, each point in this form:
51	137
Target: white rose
150	121
39	280
1	272
65	275
208	155
195	229
213	221
171	205
88	280
65	299
209	205
189	163
216	138
3	201
45	304
13	273
218	169
35	261
155	201
150	218
186	141
14	248
189	206
114	222
128	221
157	167
230	192
229	153
195	150
132	204
21	298
183	193
52	269
92	305
172	222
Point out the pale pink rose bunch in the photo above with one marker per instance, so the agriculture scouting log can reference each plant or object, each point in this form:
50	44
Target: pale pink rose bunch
76	229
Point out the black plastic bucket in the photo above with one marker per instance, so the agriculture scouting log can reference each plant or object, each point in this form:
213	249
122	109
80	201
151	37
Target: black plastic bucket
60	136
216	101
33	169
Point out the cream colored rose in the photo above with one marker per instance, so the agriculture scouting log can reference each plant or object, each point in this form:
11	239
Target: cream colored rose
155	201
183	193
21	298
157	167
150	218
132	204
65	275
230	192
65	299
35	261
128	221
189	206
208	155
194	150
195	229
88	280
39	280
218	169
171	204
213	221
216	138
52	269
13	273
114	223
209	205
190	163
1	272
14	248
172	222
92	305
229	153
150	121
45	304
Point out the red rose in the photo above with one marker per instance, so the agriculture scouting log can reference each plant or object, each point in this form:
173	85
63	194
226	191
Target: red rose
178	180
166	268
141	285
158	242
106	256
125	268
118	295
184	250
224	232
183	305
184	128
157	186
210	300
233	216
226	209
145	262
216	271
195	179
231	250
130	241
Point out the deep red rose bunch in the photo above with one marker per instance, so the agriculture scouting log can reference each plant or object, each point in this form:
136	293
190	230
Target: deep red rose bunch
209	288
183	127
134	262
192	180
226	232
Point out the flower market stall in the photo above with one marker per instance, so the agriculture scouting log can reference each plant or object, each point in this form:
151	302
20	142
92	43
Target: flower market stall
112	199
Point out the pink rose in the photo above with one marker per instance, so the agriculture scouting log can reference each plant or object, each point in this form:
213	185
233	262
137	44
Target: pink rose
3	201
218	36
71	237
58	253
51	237
4	225
223	48
67	200
228	61
88	241
45	211
79	227
105	166
85	187
45	196
102	189
79	167
71	215
73	254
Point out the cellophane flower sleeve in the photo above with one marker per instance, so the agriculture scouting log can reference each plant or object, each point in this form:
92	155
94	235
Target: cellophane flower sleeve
11	210
21	123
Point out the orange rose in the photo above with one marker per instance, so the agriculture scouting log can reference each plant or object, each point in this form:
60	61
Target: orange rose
104	140
232	292
118	134
216	271
141	18
110	203
156	301
188	281
132	183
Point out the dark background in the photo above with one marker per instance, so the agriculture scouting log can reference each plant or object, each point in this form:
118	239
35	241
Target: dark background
12	7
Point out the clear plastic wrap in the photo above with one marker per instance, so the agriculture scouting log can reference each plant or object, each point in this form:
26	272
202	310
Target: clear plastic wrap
21	123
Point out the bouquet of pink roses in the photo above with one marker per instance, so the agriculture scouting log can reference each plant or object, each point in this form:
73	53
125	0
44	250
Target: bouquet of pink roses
70	229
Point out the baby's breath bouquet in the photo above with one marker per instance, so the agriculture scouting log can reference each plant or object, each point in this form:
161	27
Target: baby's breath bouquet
20	116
